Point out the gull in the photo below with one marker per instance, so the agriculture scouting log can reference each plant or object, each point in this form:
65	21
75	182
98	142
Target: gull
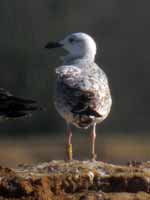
12	107
82	94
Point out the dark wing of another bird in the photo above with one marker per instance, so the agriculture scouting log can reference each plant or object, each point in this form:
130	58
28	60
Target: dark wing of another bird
77	91
14	107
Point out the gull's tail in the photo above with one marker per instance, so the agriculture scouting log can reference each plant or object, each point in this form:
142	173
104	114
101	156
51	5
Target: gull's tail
14	107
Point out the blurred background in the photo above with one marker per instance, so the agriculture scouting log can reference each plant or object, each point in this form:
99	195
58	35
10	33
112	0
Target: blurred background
122	32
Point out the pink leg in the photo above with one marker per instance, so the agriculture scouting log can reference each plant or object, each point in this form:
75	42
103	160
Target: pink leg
69	142
93	135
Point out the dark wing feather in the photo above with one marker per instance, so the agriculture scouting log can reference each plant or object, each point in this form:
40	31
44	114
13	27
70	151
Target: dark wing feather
75	92
81	101
14	107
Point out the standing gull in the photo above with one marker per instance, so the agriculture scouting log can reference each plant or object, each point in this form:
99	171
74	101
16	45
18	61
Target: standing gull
82	94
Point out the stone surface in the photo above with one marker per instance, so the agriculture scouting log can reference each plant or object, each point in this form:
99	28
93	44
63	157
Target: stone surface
76	180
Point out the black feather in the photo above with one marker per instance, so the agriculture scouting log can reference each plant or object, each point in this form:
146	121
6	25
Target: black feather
14	107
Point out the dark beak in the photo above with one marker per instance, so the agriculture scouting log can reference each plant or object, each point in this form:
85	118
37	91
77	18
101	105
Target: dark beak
52	45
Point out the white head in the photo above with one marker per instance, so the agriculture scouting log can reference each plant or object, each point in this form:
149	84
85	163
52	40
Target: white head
78	45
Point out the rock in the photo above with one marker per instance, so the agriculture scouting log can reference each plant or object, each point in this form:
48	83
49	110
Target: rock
76	180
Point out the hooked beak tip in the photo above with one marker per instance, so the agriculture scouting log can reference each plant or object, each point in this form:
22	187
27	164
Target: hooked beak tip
52	45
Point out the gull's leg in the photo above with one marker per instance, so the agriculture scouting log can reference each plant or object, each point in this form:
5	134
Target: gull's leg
93	135
69	142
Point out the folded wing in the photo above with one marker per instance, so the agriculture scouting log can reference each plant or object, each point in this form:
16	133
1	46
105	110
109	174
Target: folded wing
14	107
78	91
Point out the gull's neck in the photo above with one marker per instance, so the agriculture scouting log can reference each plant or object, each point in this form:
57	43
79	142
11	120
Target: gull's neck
72	59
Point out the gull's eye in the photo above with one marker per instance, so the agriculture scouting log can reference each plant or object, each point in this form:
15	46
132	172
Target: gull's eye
71	40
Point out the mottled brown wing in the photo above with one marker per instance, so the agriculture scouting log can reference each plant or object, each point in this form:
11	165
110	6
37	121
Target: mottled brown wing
76	93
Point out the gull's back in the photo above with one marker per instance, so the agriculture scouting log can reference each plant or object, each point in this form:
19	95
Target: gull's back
82	93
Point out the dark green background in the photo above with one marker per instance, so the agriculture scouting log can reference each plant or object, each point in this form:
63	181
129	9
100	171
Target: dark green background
122	32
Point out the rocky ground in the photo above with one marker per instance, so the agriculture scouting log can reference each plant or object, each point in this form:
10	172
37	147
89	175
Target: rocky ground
76	180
